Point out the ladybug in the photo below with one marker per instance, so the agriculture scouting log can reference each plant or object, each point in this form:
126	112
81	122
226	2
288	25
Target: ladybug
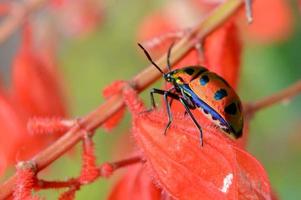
198	88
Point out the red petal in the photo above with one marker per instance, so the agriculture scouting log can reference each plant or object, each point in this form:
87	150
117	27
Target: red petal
223	51
272	20
253	181
34	87
12	132
80	16
157	25
114	88
135	185
178	162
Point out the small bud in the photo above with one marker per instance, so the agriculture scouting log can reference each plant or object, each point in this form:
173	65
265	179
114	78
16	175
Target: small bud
106	170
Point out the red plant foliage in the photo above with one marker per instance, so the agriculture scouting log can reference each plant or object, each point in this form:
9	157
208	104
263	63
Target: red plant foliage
136	184
176	165
80	16
186	170
35	91
272	20
222	50
42	97
114	88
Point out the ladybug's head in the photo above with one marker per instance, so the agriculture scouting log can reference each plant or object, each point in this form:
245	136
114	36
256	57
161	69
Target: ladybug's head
173	77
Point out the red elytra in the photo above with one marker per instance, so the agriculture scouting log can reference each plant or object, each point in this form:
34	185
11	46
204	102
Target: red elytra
186	170
136	184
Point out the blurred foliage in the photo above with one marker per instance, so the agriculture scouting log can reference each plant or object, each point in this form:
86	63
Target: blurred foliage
91	63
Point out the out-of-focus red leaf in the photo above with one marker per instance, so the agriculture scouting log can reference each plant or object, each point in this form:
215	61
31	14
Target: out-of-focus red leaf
12	132
222	50
156	29
253	181
136	184
272	20
205	5
80	16
109	91
34	87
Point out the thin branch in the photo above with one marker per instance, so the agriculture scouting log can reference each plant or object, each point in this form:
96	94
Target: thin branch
283	95
17	16
140	82
43	184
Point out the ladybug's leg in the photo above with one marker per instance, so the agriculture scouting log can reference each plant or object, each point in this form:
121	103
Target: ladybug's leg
185	104
166	94
161	92
168	112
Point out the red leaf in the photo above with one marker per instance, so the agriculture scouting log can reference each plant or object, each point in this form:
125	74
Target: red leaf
272	20
12	132
113	89
136	184
155	26
186	170
253	180
80	16
180	165
34	86
222	50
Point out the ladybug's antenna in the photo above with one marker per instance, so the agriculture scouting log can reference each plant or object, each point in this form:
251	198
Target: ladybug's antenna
168	56
149	58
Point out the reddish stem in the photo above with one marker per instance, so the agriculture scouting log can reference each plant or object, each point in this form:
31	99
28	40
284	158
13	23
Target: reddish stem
127	162
43	184
282	95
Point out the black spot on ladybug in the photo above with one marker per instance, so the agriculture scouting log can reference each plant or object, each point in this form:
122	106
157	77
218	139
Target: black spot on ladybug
239	106
199	72
189	71
204	80
220	94
231	109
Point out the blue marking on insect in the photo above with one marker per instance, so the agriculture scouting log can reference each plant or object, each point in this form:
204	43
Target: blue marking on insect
220	94
204	80
201	104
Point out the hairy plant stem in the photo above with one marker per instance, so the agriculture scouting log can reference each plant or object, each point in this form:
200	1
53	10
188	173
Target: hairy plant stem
75	181
140	82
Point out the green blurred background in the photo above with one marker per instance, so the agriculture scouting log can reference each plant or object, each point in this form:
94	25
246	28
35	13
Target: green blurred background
110	53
